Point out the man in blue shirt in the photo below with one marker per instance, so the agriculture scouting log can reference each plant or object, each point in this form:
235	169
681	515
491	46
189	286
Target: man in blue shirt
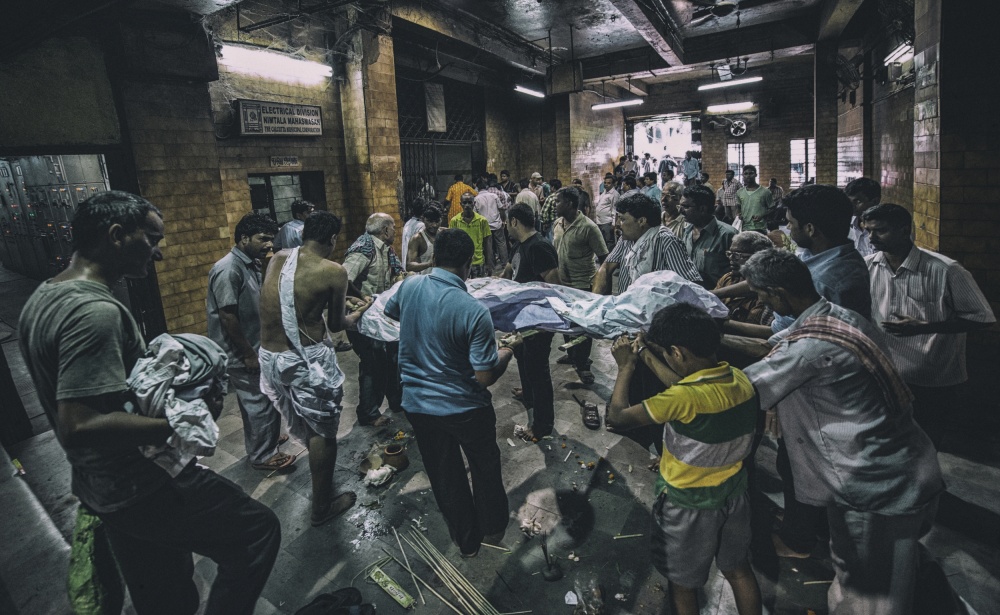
447	359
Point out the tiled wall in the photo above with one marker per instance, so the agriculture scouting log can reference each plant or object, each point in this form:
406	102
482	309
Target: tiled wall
892	147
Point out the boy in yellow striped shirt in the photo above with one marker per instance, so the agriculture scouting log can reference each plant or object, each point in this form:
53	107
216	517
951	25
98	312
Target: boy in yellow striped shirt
708	412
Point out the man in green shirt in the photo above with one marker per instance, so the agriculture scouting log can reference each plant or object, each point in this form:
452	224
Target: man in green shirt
754	201
578	242
478	228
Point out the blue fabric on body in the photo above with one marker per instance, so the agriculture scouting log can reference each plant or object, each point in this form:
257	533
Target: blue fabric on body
840	276
446	335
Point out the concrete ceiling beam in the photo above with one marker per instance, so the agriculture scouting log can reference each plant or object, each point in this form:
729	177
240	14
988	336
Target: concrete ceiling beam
834	16
466	28
660	33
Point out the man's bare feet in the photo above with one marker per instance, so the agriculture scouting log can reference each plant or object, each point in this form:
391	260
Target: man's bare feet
338	505
381	421
783	550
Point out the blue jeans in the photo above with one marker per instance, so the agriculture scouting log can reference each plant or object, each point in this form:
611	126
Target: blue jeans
378	376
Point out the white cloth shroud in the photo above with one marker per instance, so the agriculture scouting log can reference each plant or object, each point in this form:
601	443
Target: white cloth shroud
551	307
162	386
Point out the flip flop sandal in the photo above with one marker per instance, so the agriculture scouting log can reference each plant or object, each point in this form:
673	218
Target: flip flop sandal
280	461
591	416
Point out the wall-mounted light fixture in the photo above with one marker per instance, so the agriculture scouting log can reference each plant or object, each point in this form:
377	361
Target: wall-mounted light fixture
740	106
726	84
273	65
529	91
900	54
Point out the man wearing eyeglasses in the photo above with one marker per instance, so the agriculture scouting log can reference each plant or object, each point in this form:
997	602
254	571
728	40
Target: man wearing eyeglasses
745	309
705	237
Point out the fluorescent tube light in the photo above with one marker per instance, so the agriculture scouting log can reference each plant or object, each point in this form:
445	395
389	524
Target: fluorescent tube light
726	84
529	91
274	65
617	103
741	106
900	54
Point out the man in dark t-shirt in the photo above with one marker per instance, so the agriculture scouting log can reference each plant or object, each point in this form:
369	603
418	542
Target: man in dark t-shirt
80	344
534	260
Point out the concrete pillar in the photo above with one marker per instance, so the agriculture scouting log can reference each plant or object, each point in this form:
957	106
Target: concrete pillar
371	131
825	111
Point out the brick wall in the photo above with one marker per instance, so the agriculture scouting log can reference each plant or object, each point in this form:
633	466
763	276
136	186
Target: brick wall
892	147
177	164
501	146
850	142
371	133
784	100
241	156
597	139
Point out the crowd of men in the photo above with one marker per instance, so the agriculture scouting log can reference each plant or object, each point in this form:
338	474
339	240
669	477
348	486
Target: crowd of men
845	341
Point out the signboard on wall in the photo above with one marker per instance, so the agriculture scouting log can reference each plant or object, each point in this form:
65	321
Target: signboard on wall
275	119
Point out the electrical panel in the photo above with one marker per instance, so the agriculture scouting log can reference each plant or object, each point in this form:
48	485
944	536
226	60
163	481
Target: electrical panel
38	196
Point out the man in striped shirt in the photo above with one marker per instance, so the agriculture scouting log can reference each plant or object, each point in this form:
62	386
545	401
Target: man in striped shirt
727	195
645	246
926	303
708	412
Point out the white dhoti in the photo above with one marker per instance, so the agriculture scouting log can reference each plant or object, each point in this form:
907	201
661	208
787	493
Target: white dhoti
304	383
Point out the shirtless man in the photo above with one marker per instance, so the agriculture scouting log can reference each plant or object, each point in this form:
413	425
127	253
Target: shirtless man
420	250
299	373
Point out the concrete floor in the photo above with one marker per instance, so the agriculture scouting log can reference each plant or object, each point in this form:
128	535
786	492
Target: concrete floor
540	483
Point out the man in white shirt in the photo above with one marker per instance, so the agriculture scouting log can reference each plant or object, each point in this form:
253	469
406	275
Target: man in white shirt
491	206
290	234
926	303
604	210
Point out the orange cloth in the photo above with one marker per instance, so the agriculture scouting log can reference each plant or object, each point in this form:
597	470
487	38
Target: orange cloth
454	197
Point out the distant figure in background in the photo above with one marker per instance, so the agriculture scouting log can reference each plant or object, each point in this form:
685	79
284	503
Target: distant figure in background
454	196
414	225
776	192
864	193
703	180
605	214
420	252
426	191
649	187
535	185
290	234
508	185
528	196
478	229
492	204
547	215
727	195
670	202
754	201
691	168
586	201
